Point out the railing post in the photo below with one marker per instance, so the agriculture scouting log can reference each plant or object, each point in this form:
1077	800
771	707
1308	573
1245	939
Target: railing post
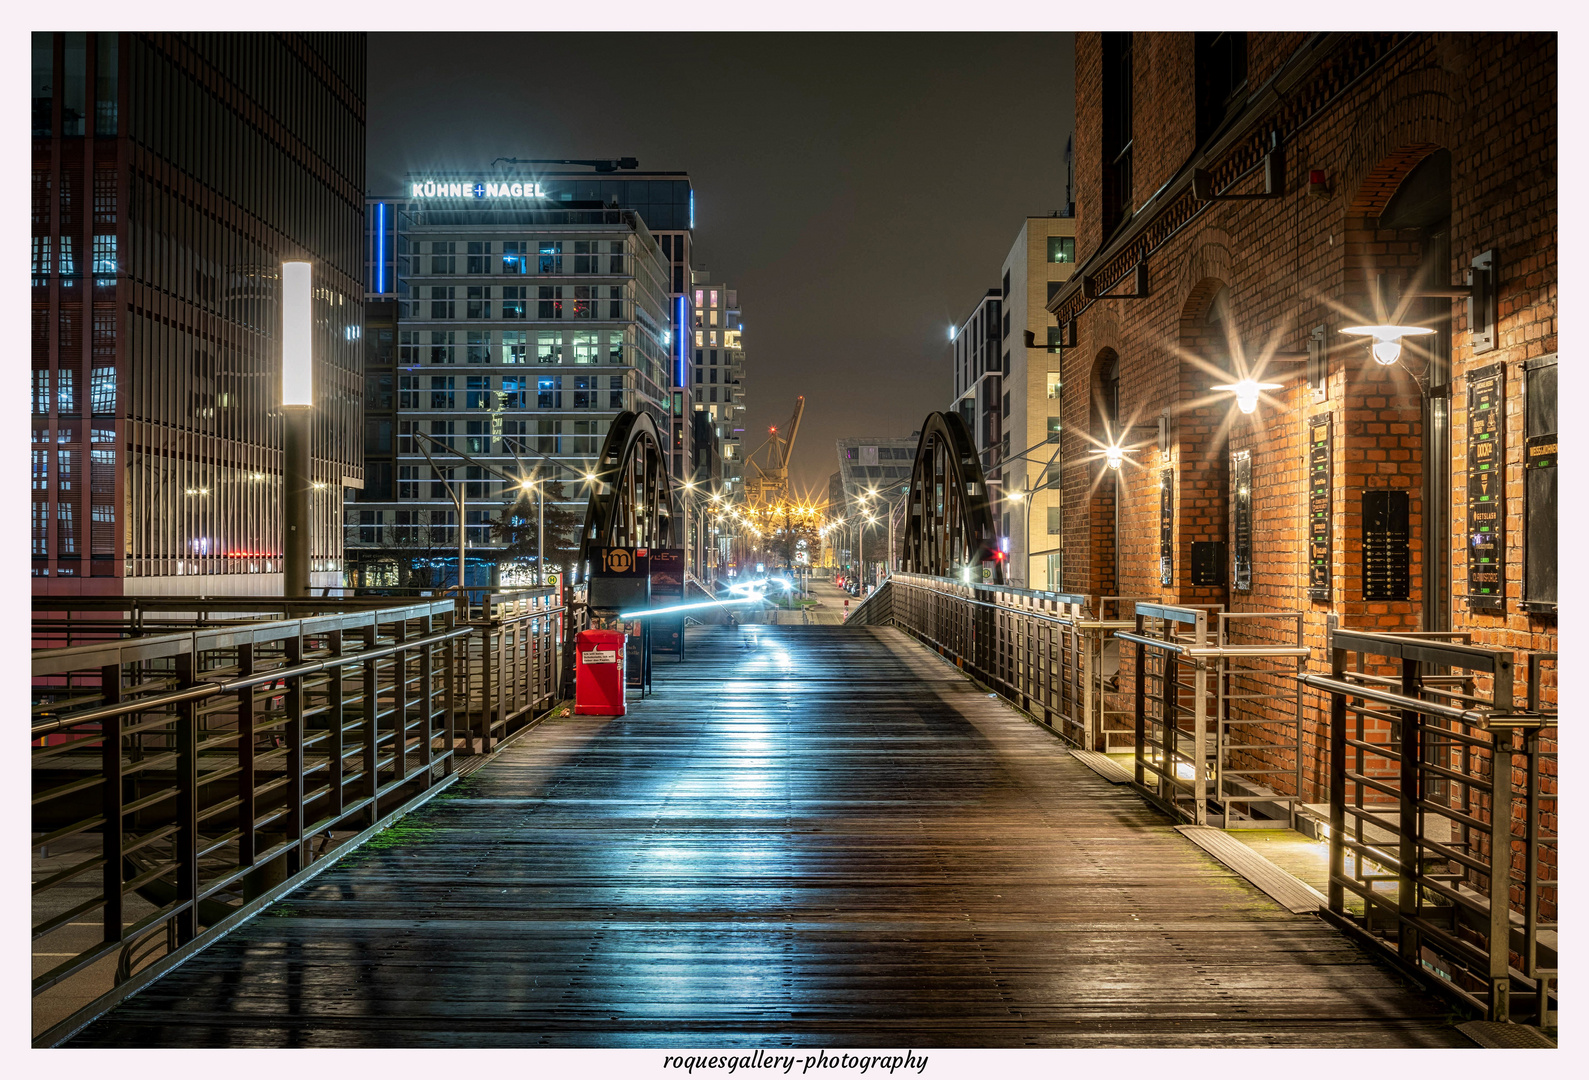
187	776
110	765
295	755
1199	740
372	723
427	698
1142	703
1337	784
1409	941
334	724
247	807
450	691
400	704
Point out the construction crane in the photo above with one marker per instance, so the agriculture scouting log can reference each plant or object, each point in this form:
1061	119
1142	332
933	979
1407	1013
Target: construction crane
771	482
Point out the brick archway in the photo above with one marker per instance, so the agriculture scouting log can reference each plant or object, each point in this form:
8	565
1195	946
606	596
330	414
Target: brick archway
1202	466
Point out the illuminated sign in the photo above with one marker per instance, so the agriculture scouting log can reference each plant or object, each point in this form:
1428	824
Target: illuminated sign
463	189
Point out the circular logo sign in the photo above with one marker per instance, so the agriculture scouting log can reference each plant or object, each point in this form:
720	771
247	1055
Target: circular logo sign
619	561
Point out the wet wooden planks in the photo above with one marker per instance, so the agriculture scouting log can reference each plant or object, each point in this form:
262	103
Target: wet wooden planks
807	836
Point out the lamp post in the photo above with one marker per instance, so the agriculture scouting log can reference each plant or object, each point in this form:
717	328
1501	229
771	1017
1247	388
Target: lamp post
297	405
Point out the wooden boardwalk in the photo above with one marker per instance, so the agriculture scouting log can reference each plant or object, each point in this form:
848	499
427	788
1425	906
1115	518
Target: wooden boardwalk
809	836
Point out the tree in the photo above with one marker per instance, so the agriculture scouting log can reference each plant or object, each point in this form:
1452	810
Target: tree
515	529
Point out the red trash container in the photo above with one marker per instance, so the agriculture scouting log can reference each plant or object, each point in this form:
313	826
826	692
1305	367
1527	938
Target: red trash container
598	673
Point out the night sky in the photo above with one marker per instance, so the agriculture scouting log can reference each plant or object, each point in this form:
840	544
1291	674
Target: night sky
860	191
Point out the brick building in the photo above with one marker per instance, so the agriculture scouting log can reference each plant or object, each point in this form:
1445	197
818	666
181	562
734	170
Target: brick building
1242	200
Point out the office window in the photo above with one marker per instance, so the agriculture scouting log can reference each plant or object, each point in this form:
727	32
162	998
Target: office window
549	347
408	391
1117	129
43	101
587	347
549	392
550	301
102	391
515	392
441	430
700	375
587	437
515	348
66	391
441	346
1055	339
41	260
104	198
584	398
408	347
65	525
615	257
712	393
547	432
551	258
443	259
105	86
1054	384
1220	61
515	257
1054	515
1006	411
407	485
440	480
41	470
479	302
479	257
74	84
442	305
615	391
477	392
441	396
41	392
406	443
1053	429
698	339
711	337
479	350
1053	289
615	346
1006	286
515	298
615	301
585	297
714	375
1061	249
586	259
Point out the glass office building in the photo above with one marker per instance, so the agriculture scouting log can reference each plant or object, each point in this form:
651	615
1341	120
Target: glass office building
507	326
172	175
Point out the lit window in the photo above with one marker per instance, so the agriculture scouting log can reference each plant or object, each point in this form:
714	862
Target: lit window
698	295
1061	249
714	298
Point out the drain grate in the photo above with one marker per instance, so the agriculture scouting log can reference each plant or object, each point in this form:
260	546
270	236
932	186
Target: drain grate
1498	1036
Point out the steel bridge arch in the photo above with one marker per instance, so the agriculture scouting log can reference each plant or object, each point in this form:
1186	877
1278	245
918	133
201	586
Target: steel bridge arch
948	523
631	497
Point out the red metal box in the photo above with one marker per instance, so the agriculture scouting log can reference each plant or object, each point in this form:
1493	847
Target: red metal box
598	673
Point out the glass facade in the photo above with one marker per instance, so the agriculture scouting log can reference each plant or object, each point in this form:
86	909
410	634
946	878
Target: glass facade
172	174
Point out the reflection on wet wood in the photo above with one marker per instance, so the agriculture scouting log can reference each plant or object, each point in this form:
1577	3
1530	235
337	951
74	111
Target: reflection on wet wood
808	836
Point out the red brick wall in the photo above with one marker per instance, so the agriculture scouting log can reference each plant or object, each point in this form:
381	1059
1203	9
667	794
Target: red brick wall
1290	264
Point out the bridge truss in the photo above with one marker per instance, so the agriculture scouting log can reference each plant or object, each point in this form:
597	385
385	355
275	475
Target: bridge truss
948	522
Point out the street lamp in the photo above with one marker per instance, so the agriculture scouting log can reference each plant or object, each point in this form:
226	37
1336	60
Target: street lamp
1247	390
297	405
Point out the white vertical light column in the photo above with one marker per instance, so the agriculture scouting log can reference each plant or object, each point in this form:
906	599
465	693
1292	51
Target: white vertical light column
297	400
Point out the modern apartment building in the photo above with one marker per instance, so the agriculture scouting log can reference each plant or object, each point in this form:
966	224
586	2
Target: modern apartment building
172	176
1005	358
519	326
719	374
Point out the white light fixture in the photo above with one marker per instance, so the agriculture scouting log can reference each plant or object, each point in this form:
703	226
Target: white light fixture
1246	392
297	359
1387	338
1112	456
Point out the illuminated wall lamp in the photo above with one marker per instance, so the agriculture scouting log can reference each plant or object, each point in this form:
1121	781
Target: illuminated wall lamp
1247	391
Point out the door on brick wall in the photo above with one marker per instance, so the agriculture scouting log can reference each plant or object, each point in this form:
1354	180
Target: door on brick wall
1420	211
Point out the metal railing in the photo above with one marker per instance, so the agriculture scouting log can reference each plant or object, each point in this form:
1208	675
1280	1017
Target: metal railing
194	757
1437	788
1049	653
1218	719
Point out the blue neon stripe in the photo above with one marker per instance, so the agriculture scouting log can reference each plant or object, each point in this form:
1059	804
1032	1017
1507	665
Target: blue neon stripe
380	247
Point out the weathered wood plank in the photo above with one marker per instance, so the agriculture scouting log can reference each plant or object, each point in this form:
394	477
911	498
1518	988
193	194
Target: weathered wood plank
807	836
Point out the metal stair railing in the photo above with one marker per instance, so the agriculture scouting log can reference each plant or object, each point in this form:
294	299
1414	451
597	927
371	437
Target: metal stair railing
1436	814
